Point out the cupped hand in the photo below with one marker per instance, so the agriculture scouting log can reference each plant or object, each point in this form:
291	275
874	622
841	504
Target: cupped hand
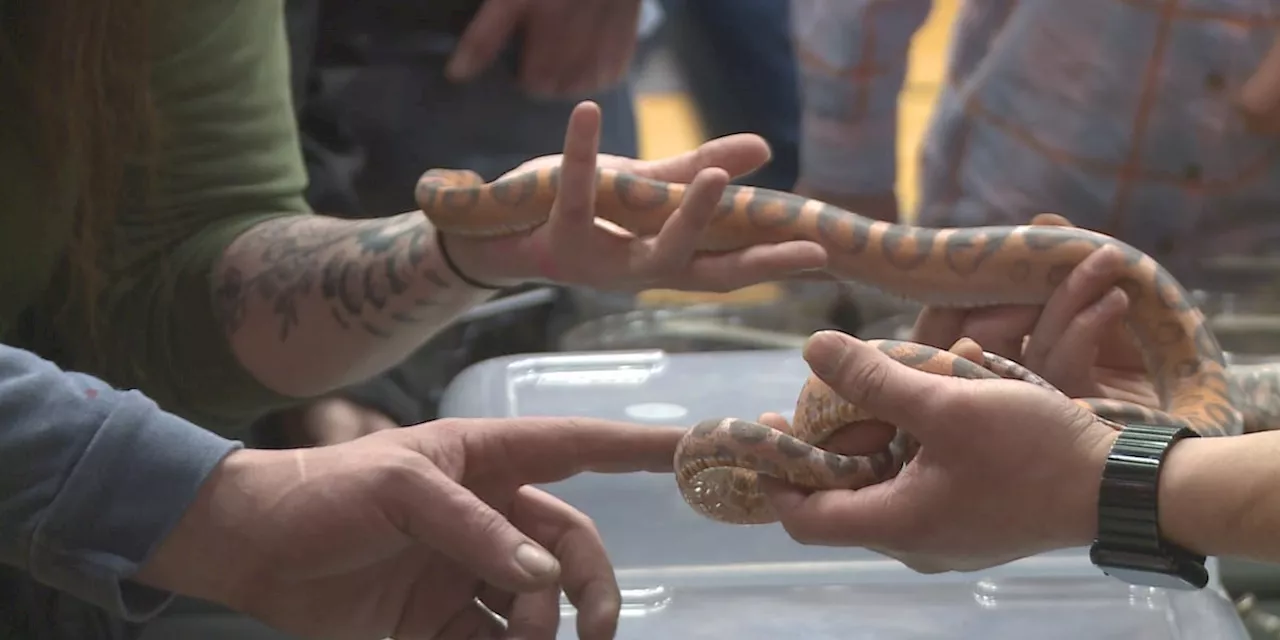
1077	340
407	533
1004	470
570	47
571	248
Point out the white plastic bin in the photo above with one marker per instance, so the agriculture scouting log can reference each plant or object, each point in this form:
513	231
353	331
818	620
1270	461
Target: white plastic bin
685	576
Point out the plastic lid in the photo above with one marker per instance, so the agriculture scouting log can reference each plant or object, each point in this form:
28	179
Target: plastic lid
686	576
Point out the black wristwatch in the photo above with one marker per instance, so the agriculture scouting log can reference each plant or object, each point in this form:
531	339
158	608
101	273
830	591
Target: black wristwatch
1129	545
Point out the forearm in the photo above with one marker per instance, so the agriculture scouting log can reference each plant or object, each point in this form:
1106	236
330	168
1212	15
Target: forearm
1221	496
314	303
93	479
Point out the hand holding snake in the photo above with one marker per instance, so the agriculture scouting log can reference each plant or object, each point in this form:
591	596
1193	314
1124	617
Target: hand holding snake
1077	340
565	239
719	460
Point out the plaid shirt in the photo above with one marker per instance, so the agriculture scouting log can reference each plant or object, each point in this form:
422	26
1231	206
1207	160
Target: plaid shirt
1118	114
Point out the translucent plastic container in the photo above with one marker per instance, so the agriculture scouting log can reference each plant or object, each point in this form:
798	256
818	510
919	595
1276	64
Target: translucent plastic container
685	576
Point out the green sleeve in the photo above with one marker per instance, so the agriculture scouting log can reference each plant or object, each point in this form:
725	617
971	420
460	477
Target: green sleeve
229	158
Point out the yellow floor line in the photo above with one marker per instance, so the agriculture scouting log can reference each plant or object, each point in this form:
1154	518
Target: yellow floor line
668	125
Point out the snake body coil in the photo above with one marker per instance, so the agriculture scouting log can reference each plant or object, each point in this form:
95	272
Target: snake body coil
717	462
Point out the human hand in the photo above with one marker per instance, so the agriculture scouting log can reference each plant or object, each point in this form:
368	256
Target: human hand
1004	470
570	47
570	248
1077	340
401	533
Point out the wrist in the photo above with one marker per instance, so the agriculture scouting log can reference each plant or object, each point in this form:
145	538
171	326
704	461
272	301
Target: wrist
1132	544
1082	527
208	554
1187	486
492	263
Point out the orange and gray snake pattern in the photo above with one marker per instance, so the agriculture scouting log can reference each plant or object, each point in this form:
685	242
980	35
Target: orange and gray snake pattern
718	461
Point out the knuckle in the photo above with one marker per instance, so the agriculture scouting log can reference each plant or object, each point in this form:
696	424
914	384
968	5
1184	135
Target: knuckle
398	475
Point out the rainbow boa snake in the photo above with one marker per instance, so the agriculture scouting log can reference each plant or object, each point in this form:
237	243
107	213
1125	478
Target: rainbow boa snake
717	462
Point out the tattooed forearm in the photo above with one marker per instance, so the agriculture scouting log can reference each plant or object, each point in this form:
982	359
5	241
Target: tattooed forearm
311	302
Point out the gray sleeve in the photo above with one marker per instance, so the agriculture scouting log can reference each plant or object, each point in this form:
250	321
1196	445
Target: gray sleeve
91	480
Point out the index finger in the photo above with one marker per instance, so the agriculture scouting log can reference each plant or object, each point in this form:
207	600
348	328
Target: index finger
541	450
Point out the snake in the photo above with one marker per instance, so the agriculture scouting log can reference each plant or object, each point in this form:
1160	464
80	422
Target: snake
718	461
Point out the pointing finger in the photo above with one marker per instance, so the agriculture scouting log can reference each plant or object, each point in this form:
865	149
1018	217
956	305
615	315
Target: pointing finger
541	450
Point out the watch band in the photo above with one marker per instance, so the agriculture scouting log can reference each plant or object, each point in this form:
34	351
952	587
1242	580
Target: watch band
1129	545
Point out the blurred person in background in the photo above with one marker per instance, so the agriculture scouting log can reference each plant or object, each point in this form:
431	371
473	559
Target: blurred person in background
739	68
1156	126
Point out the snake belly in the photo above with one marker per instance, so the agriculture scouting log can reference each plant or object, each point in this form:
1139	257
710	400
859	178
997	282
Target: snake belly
718	460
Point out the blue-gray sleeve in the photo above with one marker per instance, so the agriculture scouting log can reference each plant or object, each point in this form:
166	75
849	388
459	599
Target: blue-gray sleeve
91	480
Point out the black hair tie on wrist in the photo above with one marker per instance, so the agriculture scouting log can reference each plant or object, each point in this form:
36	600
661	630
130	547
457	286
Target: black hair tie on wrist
453	266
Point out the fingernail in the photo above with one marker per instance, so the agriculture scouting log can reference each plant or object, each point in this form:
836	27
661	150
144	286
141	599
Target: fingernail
826	352
535	561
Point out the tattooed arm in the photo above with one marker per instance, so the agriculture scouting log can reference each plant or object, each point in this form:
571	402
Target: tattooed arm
227	297
852	56
314	303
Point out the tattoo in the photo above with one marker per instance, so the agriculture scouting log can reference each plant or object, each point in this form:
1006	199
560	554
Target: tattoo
364	271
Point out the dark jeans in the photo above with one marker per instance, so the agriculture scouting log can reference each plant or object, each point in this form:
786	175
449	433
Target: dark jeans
737	58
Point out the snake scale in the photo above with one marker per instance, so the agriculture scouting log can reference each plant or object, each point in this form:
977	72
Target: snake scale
718	460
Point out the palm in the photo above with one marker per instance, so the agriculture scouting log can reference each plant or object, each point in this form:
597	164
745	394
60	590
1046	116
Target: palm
1119	372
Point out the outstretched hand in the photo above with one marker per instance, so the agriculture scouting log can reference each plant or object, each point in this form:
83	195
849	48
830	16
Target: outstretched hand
571	248
1005	469
418	532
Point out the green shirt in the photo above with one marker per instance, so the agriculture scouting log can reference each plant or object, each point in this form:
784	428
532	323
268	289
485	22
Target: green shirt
229	158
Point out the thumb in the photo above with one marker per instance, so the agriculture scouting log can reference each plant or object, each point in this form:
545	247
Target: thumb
864	375
439	513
